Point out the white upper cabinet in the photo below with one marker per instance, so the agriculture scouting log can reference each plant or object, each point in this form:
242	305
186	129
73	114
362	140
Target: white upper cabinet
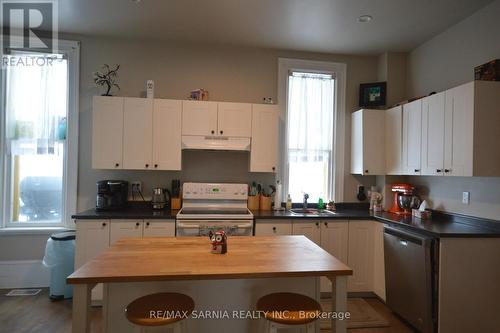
394	140
137	133
107	132
265	129
368	142
412	138
167	122
433	134
234	119
199	118
459	130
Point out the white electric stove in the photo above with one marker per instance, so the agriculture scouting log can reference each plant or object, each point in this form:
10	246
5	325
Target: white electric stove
213	206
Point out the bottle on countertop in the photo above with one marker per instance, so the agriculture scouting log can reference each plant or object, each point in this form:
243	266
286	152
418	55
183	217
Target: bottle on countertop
321	204
288	202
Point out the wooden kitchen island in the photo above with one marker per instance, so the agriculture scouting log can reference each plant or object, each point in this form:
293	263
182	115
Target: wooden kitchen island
253	267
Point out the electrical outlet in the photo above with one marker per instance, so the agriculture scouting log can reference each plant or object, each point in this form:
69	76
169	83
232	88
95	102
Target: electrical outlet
136	186
466	198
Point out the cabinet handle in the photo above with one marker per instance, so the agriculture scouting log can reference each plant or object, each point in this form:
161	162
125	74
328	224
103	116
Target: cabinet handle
317	224
147	224
117	165
447	170
439	170
417	170
156	165
147	165
103	224
274	168
221	132
326	224
213	132
137	224
274	229
366	171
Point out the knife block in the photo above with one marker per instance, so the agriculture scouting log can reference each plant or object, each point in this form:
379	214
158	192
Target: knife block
253	202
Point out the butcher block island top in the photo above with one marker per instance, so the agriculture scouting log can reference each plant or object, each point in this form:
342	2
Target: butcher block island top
189	258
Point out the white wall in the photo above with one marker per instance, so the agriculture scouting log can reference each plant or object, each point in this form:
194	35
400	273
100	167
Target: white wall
446	61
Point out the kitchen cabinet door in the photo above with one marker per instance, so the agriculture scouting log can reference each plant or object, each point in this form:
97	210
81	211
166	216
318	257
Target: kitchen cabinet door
265	134
394	140
159	228
125	229
459	131
433	110
368	142
199	118
378	261
167	123
360	256
92	238
273	227
308	228
412	138
137	133
334	240
107	132
234	119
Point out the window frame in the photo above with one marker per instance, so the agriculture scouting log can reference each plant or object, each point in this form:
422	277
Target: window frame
71	49
338	70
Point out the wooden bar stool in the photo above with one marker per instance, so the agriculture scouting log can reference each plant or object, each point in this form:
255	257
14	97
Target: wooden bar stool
284	309
160	309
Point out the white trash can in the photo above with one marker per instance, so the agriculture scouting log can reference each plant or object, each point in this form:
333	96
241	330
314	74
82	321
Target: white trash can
60	259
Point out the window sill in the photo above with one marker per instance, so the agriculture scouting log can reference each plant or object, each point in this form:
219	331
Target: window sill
12	231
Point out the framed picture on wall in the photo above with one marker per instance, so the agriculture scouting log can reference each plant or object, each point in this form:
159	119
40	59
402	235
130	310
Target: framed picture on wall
372	94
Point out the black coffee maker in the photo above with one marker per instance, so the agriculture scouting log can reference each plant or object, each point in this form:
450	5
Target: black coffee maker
111	194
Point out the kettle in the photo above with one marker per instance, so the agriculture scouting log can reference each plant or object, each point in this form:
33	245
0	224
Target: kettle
160	198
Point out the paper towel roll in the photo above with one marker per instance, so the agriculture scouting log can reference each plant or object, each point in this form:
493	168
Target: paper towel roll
278	196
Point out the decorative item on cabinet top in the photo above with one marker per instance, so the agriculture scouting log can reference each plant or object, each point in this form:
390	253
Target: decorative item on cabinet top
124	126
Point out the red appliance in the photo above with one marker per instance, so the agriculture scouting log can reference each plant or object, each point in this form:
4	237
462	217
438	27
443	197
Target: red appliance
400	189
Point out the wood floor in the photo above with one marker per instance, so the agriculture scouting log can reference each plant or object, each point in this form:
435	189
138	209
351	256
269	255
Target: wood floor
37	314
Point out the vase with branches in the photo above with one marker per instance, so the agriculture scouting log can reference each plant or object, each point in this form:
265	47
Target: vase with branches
107	78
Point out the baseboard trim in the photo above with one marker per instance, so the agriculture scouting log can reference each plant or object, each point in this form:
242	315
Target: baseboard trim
23	274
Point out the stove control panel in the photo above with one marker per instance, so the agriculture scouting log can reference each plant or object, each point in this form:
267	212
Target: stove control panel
215	191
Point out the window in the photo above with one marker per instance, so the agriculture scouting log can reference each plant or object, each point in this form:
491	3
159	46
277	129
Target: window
310	134
40	134
311	94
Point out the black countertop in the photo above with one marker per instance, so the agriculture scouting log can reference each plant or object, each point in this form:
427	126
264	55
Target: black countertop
441	225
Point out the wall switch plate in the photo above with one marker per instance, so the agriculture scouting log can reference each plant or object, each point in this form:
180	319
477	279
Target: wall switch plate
136	186
466	198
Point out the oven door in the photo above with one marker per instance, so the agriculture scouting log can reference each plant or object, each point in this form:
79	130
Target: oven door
203	227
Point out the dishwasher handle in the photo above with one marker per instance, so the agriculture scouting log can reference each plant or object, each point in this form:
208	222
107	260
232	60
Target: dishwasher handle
406	236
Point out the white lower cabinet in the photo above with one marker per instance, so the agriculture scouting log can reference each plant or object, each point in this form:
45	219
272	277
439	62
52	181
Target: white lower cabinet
92	238
334	240
153	228
95	236
125	229
273	227
378	260
360	257
310	229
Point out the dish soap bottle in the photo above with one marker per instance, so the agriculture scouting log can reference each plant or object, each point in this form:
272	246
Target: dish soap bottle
321	205
288	202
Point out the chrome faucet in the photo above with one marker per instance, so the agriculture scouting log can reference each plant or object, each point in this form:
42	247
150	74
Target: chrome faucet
304	203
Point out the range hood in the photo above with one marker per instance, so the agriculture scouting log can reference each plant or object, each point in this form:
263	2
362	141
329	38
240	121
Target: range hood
215	143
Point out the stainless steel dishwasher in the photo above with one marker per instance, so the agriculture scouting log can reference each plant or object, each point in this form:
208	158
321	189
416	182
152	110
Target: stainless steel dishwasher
411	277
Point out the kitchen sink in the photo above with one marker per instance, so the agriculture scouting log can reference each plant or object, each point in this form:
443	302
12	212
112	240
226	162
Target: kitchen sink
311	211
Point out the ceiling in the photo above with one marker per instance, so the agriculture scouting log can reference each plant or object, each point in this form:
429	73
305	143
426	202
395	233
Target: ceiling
309	25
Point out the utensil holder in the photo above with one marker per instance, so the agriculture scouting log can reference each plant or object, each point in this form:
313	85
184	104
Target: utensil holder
253	202
176	203
265	203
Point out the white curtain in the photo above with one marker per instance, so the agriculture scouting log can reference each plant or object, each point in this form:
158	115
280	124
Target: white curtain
310	135
36	103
